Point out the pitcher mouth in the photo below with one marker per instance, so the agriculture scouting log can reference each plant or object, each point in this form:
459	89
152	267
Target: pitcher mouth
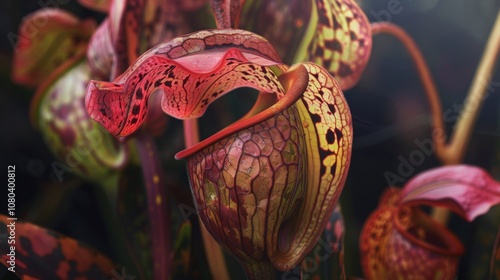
294	82
434	237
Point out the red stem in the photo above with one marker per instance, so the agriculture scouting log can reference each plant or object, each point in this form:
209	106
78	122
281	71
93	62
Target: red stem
158	206
453	151
424	74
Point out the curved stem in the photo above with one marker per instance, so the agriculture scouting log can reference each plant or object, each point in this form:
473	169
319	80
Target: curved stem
477	94
215	256
424	74
158	207
453	151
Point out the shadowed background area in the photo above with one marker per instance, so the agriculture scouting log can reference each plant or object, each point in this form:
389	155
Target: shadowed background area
390	112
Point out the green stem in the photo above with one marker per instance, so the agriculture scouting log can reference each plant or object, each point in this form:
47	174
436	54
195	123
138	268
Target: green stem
455	150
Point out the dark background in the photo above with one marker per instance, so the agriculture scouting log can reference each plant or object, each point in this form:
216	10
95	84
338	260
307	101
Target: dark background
389	108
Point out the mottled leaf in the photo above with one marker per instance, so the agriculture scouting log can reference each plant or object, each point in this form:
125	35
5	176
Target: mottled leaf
47	38
481	251
302	141
404	243
44	254
96	5
81	145
467	190
191	5
190	71
338	37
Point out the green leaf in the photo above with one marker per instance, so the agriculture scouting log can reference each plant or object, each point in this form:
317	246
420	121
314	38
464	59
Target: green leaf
334	34
96	5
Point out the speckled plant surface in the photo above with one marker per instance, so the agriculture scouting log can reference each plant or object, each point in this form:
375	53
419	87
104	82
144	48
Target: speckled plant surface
217	140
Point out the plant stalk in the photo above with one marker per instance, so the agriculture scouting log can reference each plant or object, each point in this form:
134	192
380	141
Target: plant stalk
158	206
215	256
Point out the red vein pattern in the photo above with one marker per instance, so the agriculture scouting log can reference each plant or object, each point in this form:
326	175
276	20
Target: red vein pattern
267	192
335	34
403	242
121	106
265	187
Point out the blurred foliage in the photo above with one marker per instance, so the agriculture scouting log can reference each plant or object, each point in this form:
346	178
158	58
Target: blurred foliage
389	108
